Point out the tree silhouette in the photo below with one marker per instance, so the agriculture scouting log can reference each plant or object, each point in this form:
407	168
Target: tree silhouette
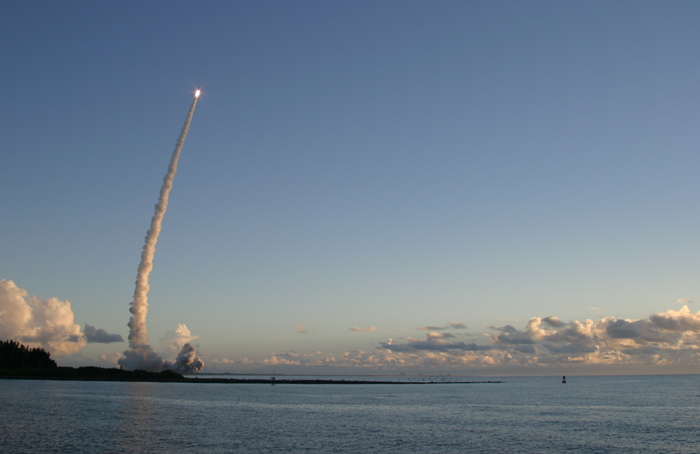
15	355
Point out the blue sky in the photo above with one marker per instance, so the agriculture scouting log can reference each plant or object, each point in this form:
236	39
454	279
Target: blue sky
394	165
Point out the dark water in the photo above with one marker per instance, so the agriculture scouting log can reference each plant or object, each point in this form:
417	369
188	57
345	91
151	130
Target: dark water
650	414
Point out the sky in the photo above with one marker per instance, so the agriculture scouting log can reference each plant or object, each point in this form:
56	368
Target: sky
475	188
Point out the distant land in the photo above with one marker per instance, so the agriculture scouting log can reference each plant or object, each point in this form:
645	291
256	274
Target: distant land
20	362
91	373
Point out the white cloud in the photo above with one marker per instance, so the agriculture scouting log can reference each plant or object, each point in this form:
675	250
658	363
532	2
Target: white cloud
47	323
433	342
225	361
100	336
277	361
658	339
369	329
450	325
300	328
175	339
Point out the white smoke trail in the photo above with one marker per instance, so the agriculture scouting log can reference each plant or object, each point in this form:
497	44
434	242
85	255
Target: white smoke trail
140	354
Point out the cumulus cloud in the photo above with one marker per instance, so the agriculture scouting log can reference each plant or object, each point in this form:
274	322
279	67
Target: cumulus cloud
508	335
100	336
175	339
277	360
47	323
369	329
657	339
300	329
684	301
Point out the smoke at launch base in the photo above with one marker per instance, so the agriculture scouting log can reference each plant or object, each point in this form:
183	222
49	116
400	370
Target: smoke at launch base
140	354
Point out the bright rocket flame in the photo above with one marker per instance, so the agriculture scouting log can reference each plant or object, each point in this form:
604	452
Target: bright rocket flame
196	94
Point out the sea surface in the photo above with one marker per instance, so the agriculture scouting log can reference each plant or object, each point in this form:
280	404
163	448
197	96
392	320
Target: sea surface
618	414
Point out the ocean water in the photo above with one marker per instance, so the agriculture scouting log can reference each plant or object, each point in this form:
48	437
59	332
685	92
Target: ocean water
632	414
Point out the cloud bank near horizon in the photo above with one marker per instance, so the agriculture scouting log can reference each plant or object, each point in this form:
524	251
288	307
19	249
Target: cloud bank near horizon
664	338
670	338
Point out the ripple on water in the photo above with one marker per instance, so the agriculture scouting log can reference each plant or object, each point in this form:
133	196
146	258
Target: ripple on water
521	415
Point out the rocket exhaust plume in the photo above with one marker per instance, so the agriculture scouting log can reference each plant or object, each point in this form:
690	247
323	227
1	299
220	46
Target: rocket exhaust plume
138	336
140	354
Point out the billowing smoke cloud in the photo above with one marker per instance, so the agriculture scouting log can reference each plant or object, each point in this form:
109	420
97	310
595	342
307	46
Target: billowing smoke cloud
187	361
47	323
140	354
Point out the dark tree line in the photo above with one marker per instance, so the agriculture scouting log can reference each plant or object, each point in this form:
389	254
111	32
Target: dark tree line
15	355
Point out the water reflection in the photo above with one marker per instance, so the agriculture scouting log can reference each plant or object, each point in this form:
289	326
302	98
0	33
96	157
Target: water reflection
136	418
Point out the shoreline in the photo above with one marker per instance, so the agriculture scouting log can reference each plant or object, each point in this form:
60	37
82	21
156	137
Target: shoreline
92	373
258	381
